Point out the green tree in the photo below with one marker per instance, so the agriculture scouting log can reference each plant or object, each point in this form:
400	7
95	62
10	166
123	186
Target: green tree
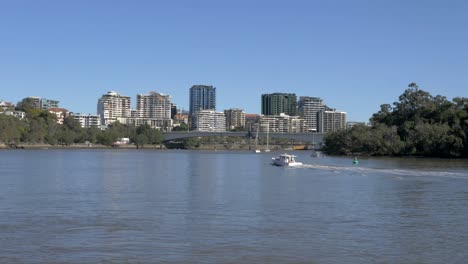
153	136
418	124
25	105
11	129
181	127
140	140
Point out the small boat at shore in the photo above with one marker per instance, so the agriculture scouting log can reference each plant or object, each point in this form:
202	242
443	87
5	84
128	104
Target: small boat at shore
286	160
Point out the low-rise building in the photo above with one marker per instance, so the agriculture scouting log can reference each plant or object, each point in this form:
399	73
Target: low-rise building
181	118
282	124
251	121
161	124
235	118
61	114
17	114
47	104
350	124
209	121
88	120
5	106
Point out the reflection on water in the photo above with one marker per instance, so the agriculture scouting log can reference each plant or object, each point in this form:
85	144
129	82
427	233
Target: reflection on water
88	206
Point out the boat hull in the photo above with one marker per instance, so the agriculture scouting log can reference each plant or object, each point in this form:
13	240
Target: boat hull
279	162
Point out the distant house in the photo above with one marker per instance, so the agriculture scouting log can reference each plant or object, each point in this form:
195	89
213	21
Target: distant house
61	113
17	114
5	106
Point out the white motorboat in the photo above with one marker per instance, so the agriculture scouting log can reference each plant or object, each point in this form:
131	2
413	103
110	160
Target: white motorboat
286	160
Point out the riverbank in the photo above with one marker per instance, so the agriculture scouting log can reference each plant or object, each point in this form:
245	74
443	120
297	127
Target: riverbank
214	147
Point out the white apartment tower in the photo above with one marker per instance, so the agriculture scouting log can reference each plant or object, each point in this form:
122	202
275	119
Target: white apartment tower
154	105
329	121
309	107
112	106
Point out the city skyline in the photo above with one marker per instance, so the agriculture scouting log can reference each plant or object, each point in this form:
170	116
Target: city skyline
354	55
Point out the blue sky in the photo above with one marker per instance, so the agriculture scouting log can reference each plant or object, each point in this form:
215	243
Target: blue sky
356	55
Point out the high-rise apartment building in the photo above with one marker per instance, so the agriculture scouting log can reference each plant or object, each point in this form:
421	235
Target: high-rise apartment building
277	103
235	118
308	108
329	121
202	97
154	105
112	106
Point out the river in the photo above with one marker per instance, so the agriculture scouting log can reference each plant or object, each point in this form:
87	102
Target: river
180	206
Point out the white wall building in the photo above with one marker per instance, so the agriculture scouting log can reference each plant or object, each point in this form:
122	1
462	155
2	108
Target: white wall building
17	114
329	121
161	124
282	124
88	120
209	121
61	114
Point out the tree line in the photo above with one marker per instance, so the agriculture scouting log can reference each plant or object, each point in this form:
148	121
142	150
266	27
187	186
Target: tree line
418	124
40	126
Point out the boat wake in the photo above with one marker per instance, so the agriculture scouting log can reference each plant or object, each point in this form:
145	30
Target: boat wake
395	172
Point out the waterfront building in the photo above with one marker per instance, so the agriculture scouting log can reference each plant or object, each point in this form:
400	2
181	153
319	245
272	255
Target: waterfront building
154	105
41	103
47	103
87	121
277	103
202	97
61	113
112	106
329	121
155	123
209	121
17	114
298	125
154	110
282	123
34	101
251	121
308	108
5	106
235	118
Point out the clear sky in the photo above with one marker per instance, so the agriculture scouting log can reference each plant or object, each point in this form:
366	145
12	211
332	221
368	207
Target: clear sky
354	54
